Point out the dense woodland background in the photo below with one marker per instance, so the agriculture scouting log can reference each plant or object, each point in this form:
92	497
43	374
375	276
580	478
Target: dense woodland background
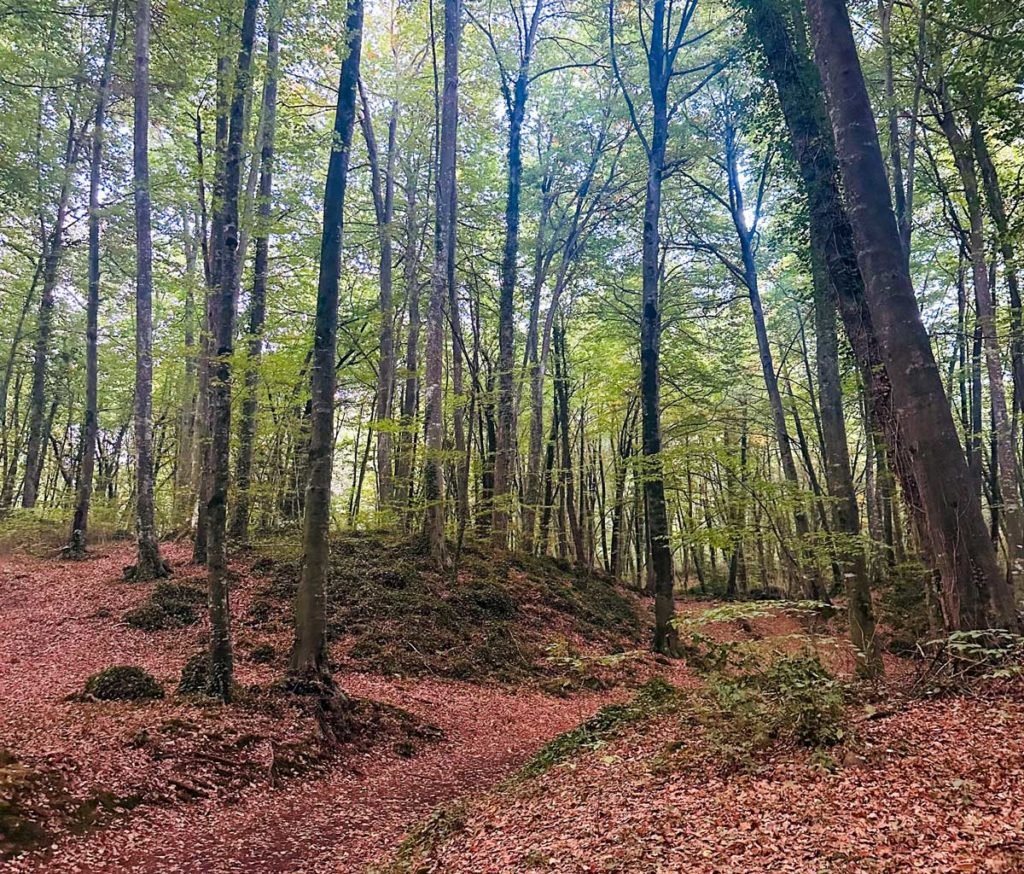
599	281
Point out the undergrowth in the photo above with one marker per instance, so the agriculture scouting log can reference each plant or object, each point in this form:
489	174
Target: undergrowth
654	698
402	616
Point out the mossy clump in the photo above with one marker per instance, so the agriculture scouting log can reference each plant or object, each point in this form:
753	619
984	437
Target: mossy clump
195	675
263	654
170	605
123	683
492	620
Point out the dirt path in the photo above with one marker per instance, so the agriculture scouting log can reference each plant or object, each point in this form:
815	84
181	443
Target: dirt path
61	622
347	819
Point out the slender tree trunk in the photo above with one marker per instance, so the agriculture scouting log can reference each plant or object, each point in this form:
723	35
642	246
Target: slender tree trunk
1007	249
213	269
404	465
973	588
382	187
515	106
90	426
149	564
309	655
568	485
839	476
221	656
1012	510
433	475
258	302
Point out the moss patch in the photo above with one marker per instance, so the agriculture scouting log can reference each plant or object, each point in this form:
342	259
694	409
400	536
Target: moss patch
400	615
654	698
170	605
123	683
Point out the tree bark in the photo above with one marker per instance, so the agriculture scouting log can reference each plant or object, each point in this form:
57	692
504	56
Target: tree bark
149	564
973	589
515	107
258	302
1012	511
221	657
309	654
433	474
383	191
87	465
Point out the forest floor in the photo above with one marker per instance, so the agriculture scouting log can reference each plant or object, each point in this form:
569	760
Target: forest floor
180	784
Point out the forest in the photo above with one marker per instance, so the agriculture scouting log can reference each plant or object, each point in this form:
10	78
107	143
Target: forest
511	435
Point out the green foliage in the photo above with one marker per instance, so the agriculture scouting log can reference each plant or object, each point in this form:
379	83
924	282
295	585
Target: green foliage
654	698
792	697
964	657
425	837
123	683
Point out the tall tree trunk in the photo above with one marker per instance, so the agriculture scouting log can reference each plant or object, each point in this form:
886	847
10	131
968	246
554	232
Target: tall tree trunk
973	588
433	474
831	237
258	302
404	462
149	564
568	485
221	656
90	426
53	250
309	655
839	476
745	233
515	94
1007	249
1012	510
214	248
383	190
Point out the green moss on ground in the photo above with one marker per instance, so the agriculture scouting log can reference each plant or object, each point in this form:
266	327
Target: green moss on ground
400	615
170	605
652	699
123	683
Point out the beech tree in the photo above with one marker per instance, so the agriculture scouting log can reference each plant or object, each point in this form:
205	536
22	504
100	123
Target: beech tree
308	665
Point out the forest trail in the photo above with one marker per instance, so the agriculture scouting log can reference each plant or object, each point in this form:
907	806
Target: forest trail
62	624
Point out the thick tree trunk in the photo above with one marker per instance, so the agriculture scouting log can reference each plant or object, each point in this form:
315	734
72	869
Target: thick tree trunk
309	655
90	426
258	302
973	588
149	564
831	237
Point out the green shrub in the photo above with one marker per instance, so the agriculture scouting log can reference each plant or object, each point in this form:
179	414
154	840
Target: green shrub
807	699
792	697
123	683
